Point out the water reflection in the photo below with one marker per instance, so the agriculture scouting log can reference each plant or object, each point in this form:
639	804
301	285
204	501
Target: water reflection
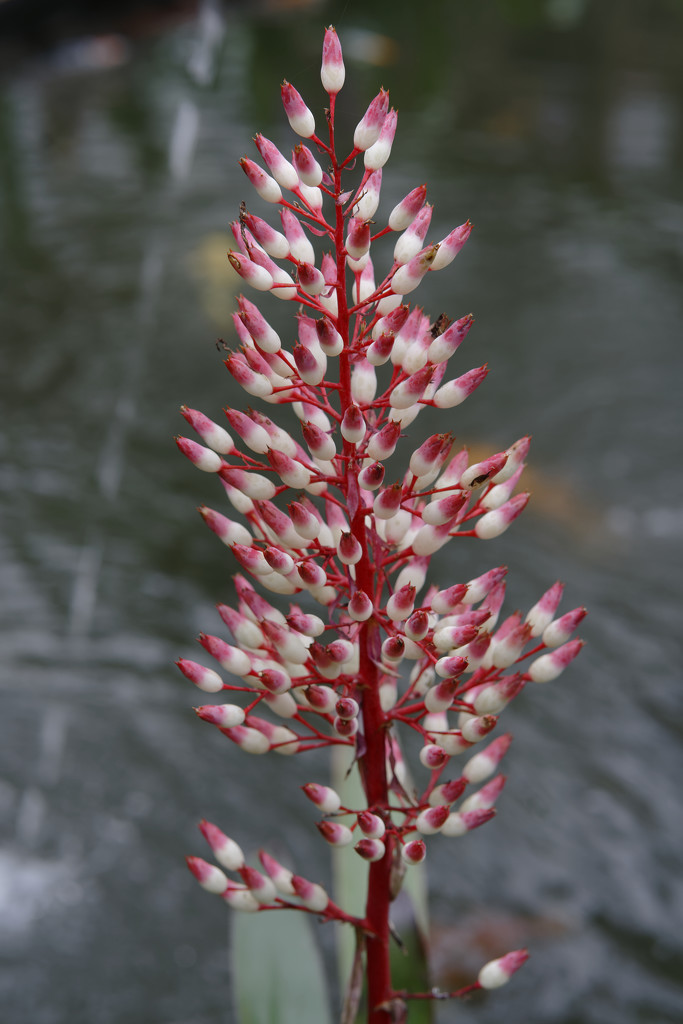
557	129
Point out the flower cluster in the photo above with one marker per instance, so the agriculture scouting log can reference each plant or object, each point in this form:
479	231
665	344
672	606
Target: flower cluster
332	519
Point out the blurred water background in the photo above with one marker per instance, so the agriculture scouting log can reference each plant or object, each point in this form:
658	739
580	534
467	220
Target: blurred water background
556	126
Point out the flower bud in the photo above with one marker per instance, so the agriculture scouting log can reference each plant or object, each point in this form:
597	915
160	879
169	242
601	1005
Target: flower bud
310	279
414	852
211	433
450	246
371	825
433	756
225	716
450	666
274	242
560	630
456	391
349	550
368	128
208	875
371	477
480	472
448	792
443	346
204	678
401	603
445	601
492	524
203	458
335	833
281	876
440	697
383	443
378	153
307	167
329	338
231	658
281	169
459	824
347	707
346	727
409	275
239	898
370	849
431	820
411	241
405	212
393	649
484	798
498	972
266	186
325	798
550	666
299	116
360	606
332	70
417	626
225	850
353	425
311	895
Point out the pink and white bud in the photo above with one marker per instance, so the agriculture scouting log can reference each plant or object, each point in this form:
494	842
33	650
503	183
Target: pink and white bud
360	606
275	681
335	833
498	972
478	726
311	366
368	128
311	895
456	391
342	651
332	69
290	471
431	820
347	708
324	798
409	244
300	118
516	454
321	698
498	494
239	898
440	697
225	716
231	658
286	642
444	346
379	352
450	246
417	626
265	186
274	242
258	327
478	588
458	824
320	443
370	849
484	798
208	875
363	382
379	152
311	281
368	200
371	825
306	524
450	638
252	559
445	601
444	510
447	792
450	666
300	245
307	167
204	678
550	666
492	524
253	435
393	649
451	741
383	443
353	425
281	876
414	852
251	741
480	472
542	613
203	458
225	850
559	631
279	560
346	727
408	276
484	764
372	476
433	756
255	384
349	550
358	238
401	603
261	887
305	622
410	391
329	338
281	169
431	538
405	212
508	649
211	433
490	700
431	455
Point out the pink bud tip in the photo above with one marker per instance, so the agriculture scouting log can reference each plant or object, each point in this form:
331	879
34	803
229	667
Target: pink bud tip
299	116
325	798
201	457
208	875
332	70
497	972
414	852
370	849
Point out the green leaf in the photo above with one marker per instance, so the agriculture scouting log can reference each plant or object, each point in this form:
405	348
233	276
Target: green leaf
277	970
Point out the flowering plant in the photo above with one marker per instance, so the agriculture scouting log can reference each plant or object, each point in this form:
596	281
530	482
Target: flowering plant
382	654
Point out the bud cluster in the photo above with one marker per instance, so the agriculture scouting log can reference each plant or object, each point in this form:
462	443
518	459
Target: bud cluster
329	520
